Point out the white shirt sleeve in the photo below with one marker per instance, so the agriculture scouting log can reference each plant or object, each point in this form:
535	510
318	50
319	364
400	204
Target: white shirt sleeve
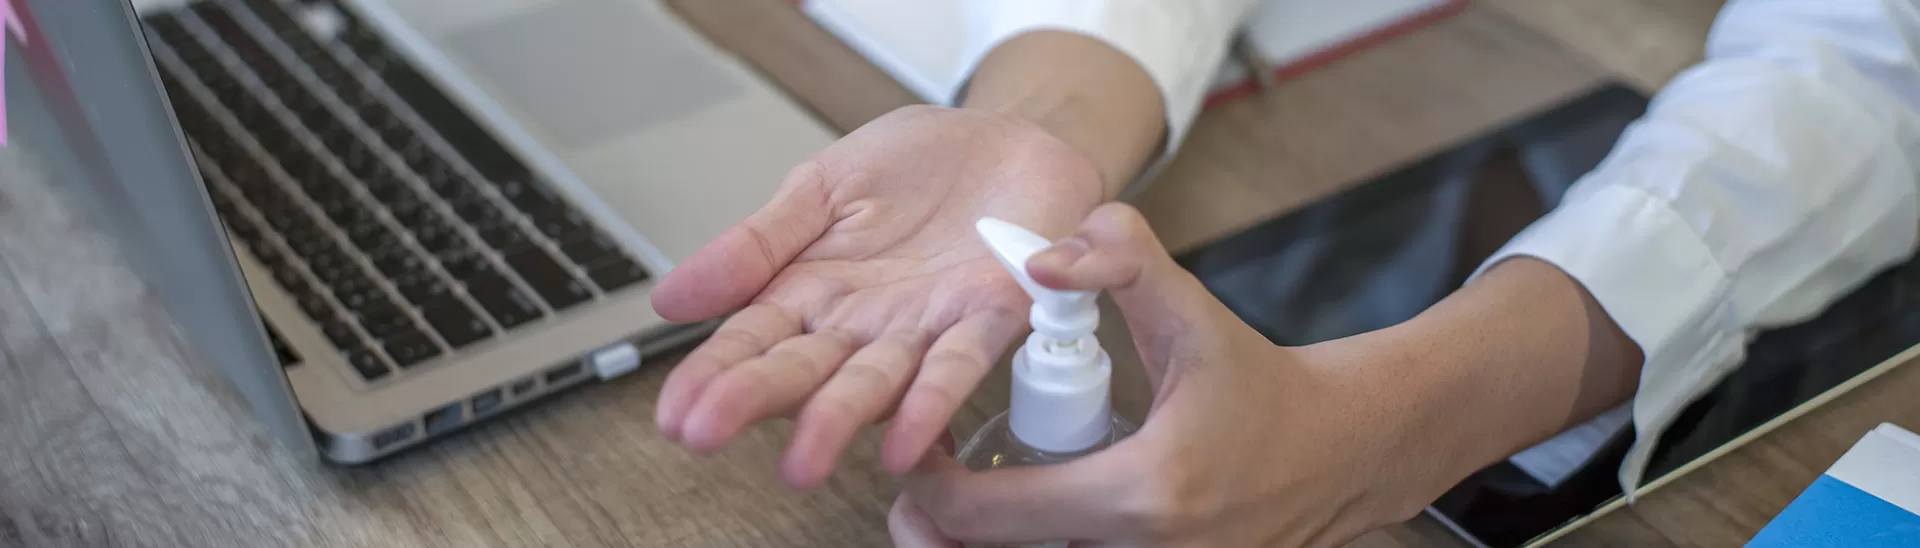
1180	43
1761	186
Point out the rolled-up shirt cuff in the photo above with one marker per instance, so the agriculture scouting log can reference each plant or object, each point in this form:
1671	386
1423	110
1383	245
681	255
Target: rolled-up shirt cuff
1659	281
1166	42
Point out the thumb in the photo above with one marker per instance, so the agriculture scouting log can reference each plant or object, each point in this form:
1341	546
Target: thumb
1115	251
725	275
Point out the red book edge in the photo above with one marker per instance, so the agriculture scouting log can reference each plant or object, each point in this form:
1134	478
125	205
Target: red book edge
1338	51
1328	55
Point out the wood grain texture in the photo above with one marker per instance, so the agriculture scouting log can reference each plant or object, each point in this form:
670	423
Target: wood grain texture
1642	42
1263	156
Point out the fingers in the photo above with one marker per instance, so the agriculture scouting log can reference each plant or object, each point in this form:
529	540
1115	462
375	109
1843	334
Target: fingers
763	387
743	336
1115	251
952	368
1086	498
727	273
861	392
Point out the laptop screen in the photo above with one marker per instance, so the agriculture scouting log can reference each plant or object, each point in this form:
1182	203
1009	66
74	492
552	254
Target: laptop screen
83	96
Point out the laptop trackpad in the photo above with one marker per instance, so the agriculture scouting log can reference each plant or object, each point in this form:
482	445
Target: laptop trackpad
587	71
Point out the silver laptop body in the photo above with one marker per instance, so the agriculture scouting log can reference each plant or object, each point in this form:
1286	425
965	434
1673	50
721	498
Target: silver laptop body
442	209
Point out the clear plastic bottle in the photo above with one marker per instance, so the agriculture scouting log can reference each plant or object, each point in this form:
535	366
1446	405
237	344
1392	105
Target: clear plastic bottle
994	446
1060	398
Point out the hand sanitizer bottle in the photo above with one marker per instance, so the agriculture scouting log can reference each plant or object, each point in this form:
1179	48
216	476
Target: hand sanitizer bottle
1060	405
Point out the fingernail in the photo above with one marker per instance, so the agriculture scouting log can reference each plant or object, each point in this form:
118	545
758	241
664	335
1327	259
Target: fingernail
1061	255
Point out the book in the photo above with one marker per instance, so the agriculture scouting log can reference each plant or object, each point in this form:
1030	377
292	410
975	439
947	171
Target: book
1870	498
919	42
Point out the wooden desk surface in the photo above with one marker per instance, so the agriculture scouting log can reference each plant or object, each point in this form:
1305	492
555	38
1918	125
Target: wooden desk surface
111	434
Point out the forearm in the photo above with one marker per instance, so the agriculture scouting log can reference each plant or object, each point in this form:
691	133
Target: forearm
1511	359
1082	92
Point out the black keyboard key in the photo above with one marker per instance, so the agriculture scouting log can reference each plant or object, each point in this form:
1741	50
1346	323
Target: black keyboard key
506	303
440	238
368	229
339	204
466	265
304	232
363	166
351	282
443	178
370	303
290	278
422	220
503	235
406	206
375	239
398	262
366	363
313	247
339	332
560	223
389	187
353	285
587	249
422	158
421	288
477	211
455	322
332	198
383	320
453	186
221	22
615	274
315	305
529	197
409	347
334	267
548	278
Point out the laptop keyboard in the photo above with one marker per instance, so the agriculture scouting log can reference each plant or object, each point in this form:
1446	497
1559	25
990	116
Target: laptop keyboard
391	217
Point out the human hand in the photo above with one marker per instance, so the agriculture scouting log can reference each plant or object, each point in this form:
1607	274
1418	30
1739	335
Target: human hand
863	286
1247	444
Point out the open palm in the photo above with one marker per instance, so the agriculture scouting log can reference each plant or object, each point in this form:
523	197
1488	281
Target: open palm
861	291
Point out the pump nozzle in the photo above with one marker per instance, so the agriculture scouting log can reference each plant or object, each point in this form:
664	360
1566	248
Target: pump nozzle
1061	375
1058	315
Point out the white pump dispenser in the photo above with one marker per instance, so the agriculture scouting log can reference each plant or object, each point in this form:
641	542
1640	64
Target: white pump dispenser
1061	376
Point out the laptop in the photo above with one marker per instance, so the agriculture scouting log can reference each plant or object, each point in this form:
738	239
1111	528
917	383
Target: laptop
385	220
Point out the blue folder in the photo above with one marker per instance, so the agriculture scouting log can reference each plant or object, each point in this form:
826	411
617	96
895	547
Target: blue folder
1870	498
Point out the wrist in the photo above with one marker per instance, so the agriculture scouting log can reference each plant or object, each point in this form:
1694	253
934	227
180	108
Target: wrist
1533	353
1082	92
1513	358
